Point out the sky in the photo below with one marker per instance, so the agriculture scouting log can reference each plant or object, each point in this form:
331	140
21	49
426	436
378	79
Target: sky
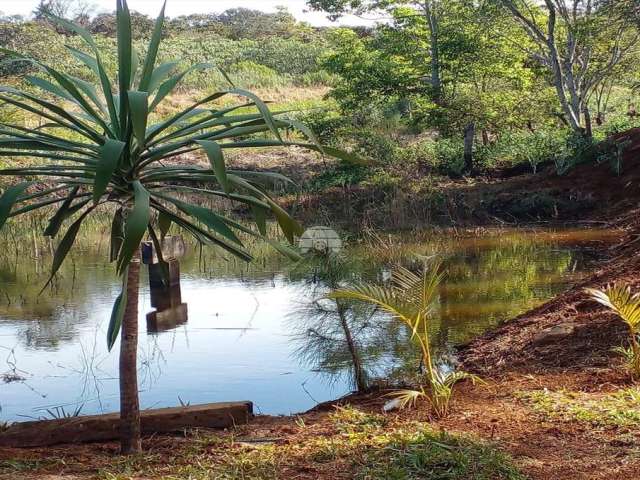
185	7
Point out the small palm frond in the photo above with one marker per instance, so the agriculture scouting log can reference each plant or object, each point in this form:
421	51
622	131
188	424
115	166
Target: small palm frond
451	378
385	298
621	301
407	398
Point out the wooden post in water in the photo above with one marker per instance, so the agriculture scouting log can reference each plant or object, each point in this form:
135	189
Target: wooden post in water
164	282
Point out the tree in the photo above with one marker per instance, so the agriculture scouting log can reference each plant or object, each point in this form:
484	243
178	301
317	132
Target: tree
580	42
100	151
46	8
106	24
254	24
77	10
430	10
485	81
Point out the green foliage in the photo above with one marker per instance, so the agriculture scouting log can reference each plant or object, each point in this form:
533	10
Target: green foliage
248	74
525	147
625	305
341	175
326	123
618	409
411	300
289	59
379	452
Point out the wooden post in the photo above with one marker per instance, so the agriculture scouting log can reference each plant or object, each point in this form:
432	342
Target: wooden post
101	428
164	282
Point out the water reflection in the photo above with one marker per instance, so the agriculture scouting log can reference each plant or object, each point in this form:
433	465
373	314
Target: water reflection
166	298
256	331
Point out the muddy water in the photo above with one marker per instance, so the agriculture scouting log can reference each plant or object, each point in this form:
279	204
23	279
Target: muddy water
254	331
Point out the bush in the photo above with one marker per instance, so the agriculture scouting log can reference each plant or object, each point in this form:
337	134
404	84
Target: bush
444	156
327	124
341	175
616	125
370	143
247	74
319	77
531	148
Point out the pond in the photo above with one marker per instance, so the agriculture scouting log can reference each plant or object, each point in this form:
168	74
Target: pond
253	331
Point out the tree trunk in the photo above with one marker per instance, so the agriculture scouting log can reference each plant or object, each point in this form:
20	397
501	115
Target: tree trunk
485	137
129	401
588	127
434	27
469	134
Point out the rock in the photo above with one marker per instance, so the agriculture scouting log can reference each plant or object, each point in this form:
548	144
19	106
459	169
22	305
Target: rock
554	334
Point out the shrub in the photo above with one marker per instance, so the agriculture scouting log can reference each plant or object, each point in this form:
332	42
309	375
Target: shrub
315	78
327	124
340	175
516	148
248	74
444	156
411	299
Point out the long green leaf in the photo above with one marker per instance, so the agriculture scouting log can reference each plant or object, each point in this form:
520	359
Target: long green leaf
167	86
203	236
9	198
139	108
67	25
63	212
164	224
65	245
262	107
211	219
110	154
160	73
288	225
117	312
260	217
152	52
216	158
123	20
117	235
135	227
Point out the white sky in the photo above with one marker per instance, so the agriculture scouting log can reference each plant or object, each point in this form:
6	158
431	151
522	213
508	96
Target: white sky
185	7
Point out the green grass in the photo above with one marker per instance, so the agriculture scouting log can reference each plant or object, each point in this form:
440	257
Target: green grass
617	409
358	445
12	466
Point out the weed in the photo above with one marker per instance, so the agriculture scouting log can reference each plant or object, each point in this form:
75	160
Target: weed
620	409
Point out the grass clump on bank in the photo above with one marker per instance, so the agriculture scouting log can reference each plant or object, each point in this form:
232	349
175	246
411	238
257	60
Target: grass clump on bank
617	409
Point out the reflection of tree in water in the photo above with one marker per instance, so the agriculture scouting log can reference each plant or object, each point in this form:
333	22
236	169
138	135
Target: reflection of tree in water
333	336
486	283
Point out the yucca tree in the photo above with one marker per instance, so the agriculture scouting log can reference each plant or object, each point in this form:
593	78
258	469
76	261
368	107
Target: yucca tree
626	305
412	299
100	146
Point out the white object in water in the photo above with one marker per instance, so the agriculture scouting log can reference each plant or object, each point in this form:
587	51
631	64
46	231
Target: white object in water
320	239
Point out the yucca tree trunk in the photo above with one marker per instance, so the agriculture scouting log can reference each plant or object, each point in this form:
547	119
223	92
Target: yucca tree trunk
129	401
